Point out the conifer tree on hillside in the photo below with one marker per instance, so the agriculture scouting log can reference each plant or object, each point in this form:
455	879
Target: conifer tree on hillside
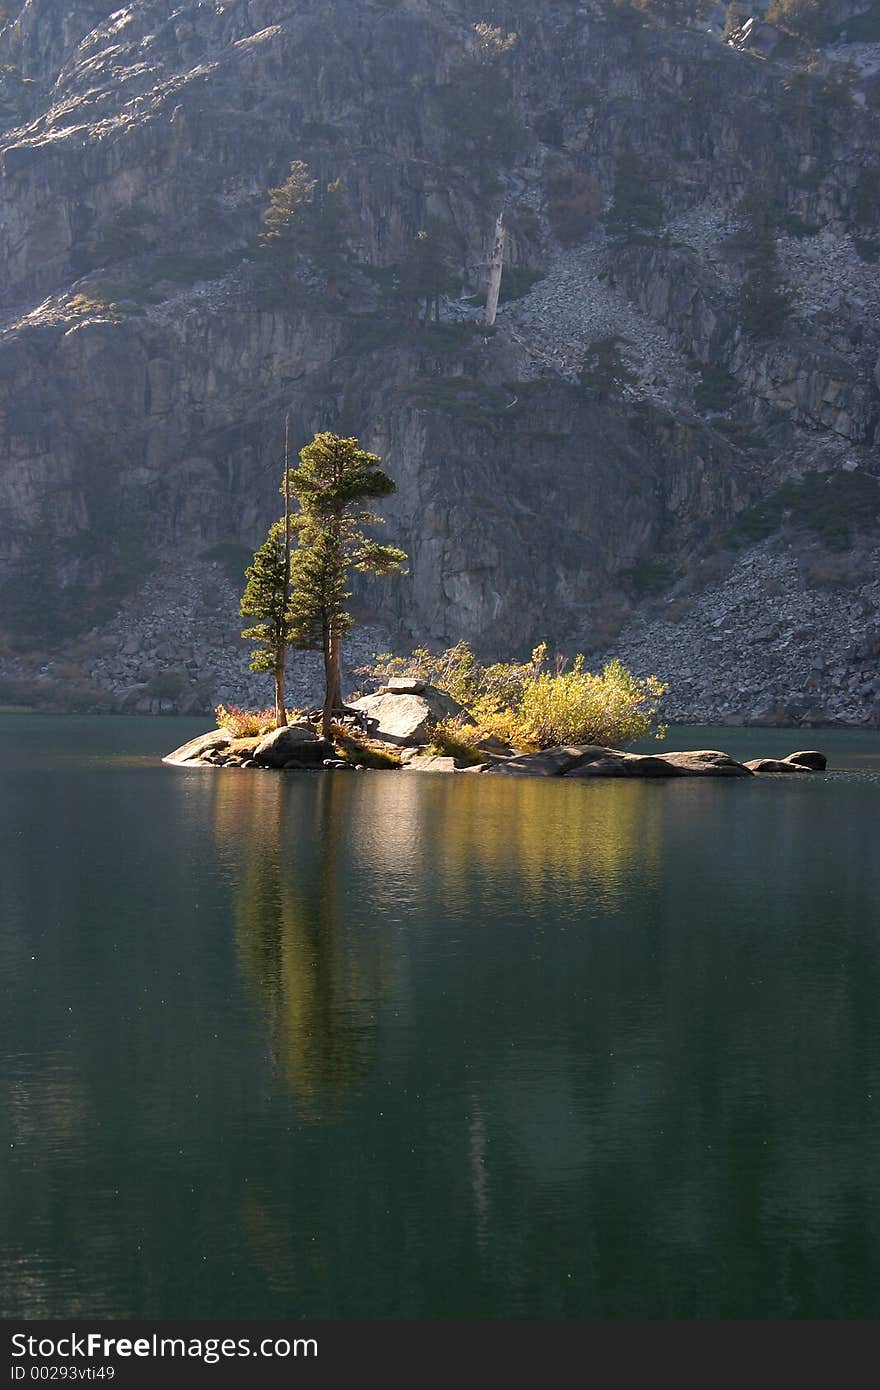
334	483
765	299
670	11
636	204
804	18
287	216
424	273
308	217
733	19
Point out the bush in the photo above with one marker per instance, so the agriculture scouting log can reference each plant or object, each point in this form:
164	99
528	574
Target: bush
803	18
717	389
90	306
830	505
529	704
245	723
453	738
866	197
362	751
577	707
765	299
604	372
636	204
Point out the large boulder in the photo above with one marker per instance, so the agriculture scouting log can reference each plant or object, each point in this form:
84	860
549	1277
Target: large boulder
405	718
706	762
190	754
438	764
765	765
551	762
609	762
296	743
809	758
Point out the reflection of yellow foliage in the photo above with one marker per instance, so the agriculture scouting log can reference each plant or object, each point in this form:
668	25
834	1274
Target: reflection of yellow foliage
318	980
318	969
530	833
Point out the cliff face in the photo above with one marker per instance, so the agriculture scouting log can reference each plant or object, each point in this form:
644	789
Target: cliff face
146	365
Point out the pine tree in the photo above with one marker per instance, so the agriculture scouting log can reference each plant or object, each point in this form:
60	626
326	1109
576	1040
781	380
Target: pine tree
424	273
670	11
803	18
310	218
267	598
334	481
329	229
733	19
287	216
636	204
605	372
765	299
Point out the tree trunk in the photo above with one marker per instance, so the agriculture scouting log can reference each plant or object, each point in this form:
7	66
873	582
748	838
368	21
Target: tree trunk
496	265
280	711
332	681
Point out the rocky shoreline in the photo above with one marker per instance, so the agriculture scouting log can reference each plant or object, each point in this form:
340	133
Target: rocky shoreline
392	730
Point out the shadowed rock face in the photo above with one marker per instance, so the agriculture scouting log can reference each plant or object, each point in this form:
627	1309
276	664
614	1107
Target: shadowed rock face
137	143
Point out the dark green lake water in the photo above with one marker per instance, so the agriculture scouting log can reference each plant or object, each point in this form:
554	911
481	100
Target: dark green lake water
389	1045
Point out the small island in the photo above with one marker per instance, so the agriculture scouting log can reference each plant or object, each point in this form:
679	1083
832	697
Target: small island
444	712
404	726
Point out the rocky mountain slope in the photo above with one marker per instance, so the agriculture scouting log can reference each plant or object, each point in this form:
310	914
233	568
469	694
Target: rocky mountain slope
623	466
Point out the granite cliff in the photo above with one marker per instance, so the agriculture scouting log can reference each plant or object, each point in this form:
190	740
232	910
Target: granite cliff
597	471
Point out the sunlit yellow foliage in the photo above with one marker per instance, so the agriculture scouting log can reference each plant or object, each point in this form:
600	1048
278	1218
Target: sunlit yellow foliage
530	704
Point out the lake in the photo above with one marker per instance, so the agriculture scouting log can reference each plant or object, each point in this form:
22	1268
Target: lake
390	1045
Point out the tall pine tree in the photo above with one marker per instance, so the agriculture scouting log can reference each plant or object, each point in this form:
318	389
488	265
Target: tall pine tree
334	483
267	599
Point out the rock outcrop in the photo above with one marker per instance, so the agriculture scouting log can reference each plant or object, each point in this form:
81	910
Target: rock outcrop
297	747
590	761
296	744
147	361
402	716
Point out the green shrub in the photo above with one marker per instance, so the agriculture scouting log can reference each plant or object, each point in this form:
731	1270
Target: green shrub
465	397
453	738
604	372
867	250
717	389
795	225
577	707
765	299
866	197
93	306
636	204
803	18
830	505
648	578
